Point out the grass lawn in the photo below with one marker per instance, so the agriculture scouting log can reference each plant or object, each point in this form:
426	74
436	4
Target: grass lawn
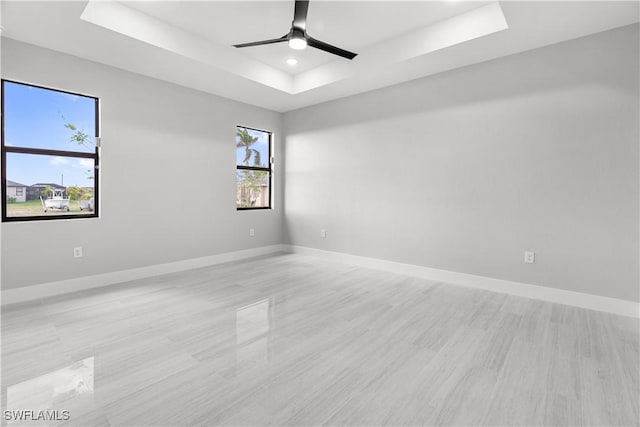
34	208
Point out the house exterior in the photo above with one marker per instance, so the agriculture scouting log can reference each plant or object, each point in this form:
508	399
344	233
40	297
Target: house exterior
17	191
36	190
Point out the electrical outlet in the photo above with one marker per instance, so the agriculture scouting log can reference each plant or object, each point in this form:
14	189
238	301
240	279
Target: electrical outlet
529	257
77	252
252	232
323	233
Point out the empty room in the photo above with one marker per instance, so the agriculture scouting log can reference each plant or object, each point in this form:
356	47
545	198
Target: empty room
300	213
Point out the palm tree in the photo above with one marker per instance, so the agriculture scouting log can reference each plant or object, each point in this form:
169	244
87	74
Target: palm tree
249	188
245	140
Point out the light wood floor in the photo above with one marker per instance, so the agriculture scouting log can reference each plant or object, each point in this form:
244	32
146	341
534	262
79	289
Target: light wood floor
291	340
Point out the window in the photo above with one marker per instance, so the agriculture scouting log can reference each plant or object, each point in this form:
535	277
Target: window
49	145
253	168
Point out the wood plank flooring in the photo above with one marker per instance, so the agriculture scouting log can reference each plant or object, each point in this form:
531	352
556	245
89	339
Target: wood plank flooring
294	340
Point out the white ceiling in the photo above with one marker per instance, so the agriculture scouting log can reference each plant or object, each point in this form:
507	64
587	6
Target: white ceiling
189	42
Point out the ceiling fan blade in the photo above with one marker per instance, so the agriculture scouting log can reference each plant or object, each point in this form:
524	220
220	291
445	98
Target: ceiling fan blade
262	42
300	14
329	48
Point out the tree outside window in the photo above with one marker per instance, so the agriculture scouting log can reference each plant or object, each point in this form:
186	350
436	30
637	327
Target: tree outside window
253	168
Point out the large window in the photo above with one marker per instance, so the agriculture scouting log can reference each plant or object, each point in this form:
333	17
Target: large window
50	155
253	168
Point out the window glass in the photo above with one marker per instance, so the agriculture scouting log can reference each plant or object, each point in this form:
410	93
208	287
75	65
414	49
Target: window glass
253	168
252	147
36	117
252	189
49	156
57	185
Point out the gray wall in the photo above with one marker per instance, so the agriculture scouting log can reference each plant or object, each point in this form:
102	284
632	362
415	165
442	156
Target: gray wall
175	143
461	171
466	170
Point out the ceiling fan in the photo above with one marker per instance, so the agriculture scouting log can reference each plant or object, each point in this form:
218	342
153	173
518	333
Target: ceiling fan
297	36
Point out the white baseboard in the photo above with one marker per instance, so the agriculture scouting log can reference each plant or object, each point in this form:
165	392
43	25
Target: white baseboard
30	293
561	296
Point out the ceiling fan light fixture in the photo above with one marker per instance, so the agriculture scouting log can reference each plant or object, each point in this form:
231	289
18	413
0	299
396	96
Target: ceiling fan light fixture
297	43
297	36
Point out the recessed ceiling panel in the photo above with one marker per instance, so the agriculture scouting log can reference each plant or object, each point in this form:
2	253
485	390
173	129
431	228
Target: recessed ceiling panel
190	42
352	25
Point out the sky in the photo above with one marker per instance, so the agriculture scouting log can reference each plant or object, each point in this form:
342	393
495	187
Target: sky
36	118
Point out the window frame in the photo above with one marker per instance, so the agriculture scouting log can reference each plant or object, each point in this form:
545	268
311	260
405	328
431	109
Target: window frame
268	169
49	152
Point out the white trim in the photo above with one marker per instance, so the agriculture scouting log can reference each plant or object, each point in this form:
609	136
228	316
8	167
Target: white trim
30	293
561	296
544	293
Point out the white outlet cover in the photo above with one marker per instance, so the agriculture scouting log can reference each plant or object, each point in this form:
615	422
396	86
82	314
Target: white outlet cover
529	257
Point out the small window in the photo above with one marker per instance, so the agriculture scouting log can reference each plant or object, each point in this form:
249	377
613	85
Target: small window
50	155
253	168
